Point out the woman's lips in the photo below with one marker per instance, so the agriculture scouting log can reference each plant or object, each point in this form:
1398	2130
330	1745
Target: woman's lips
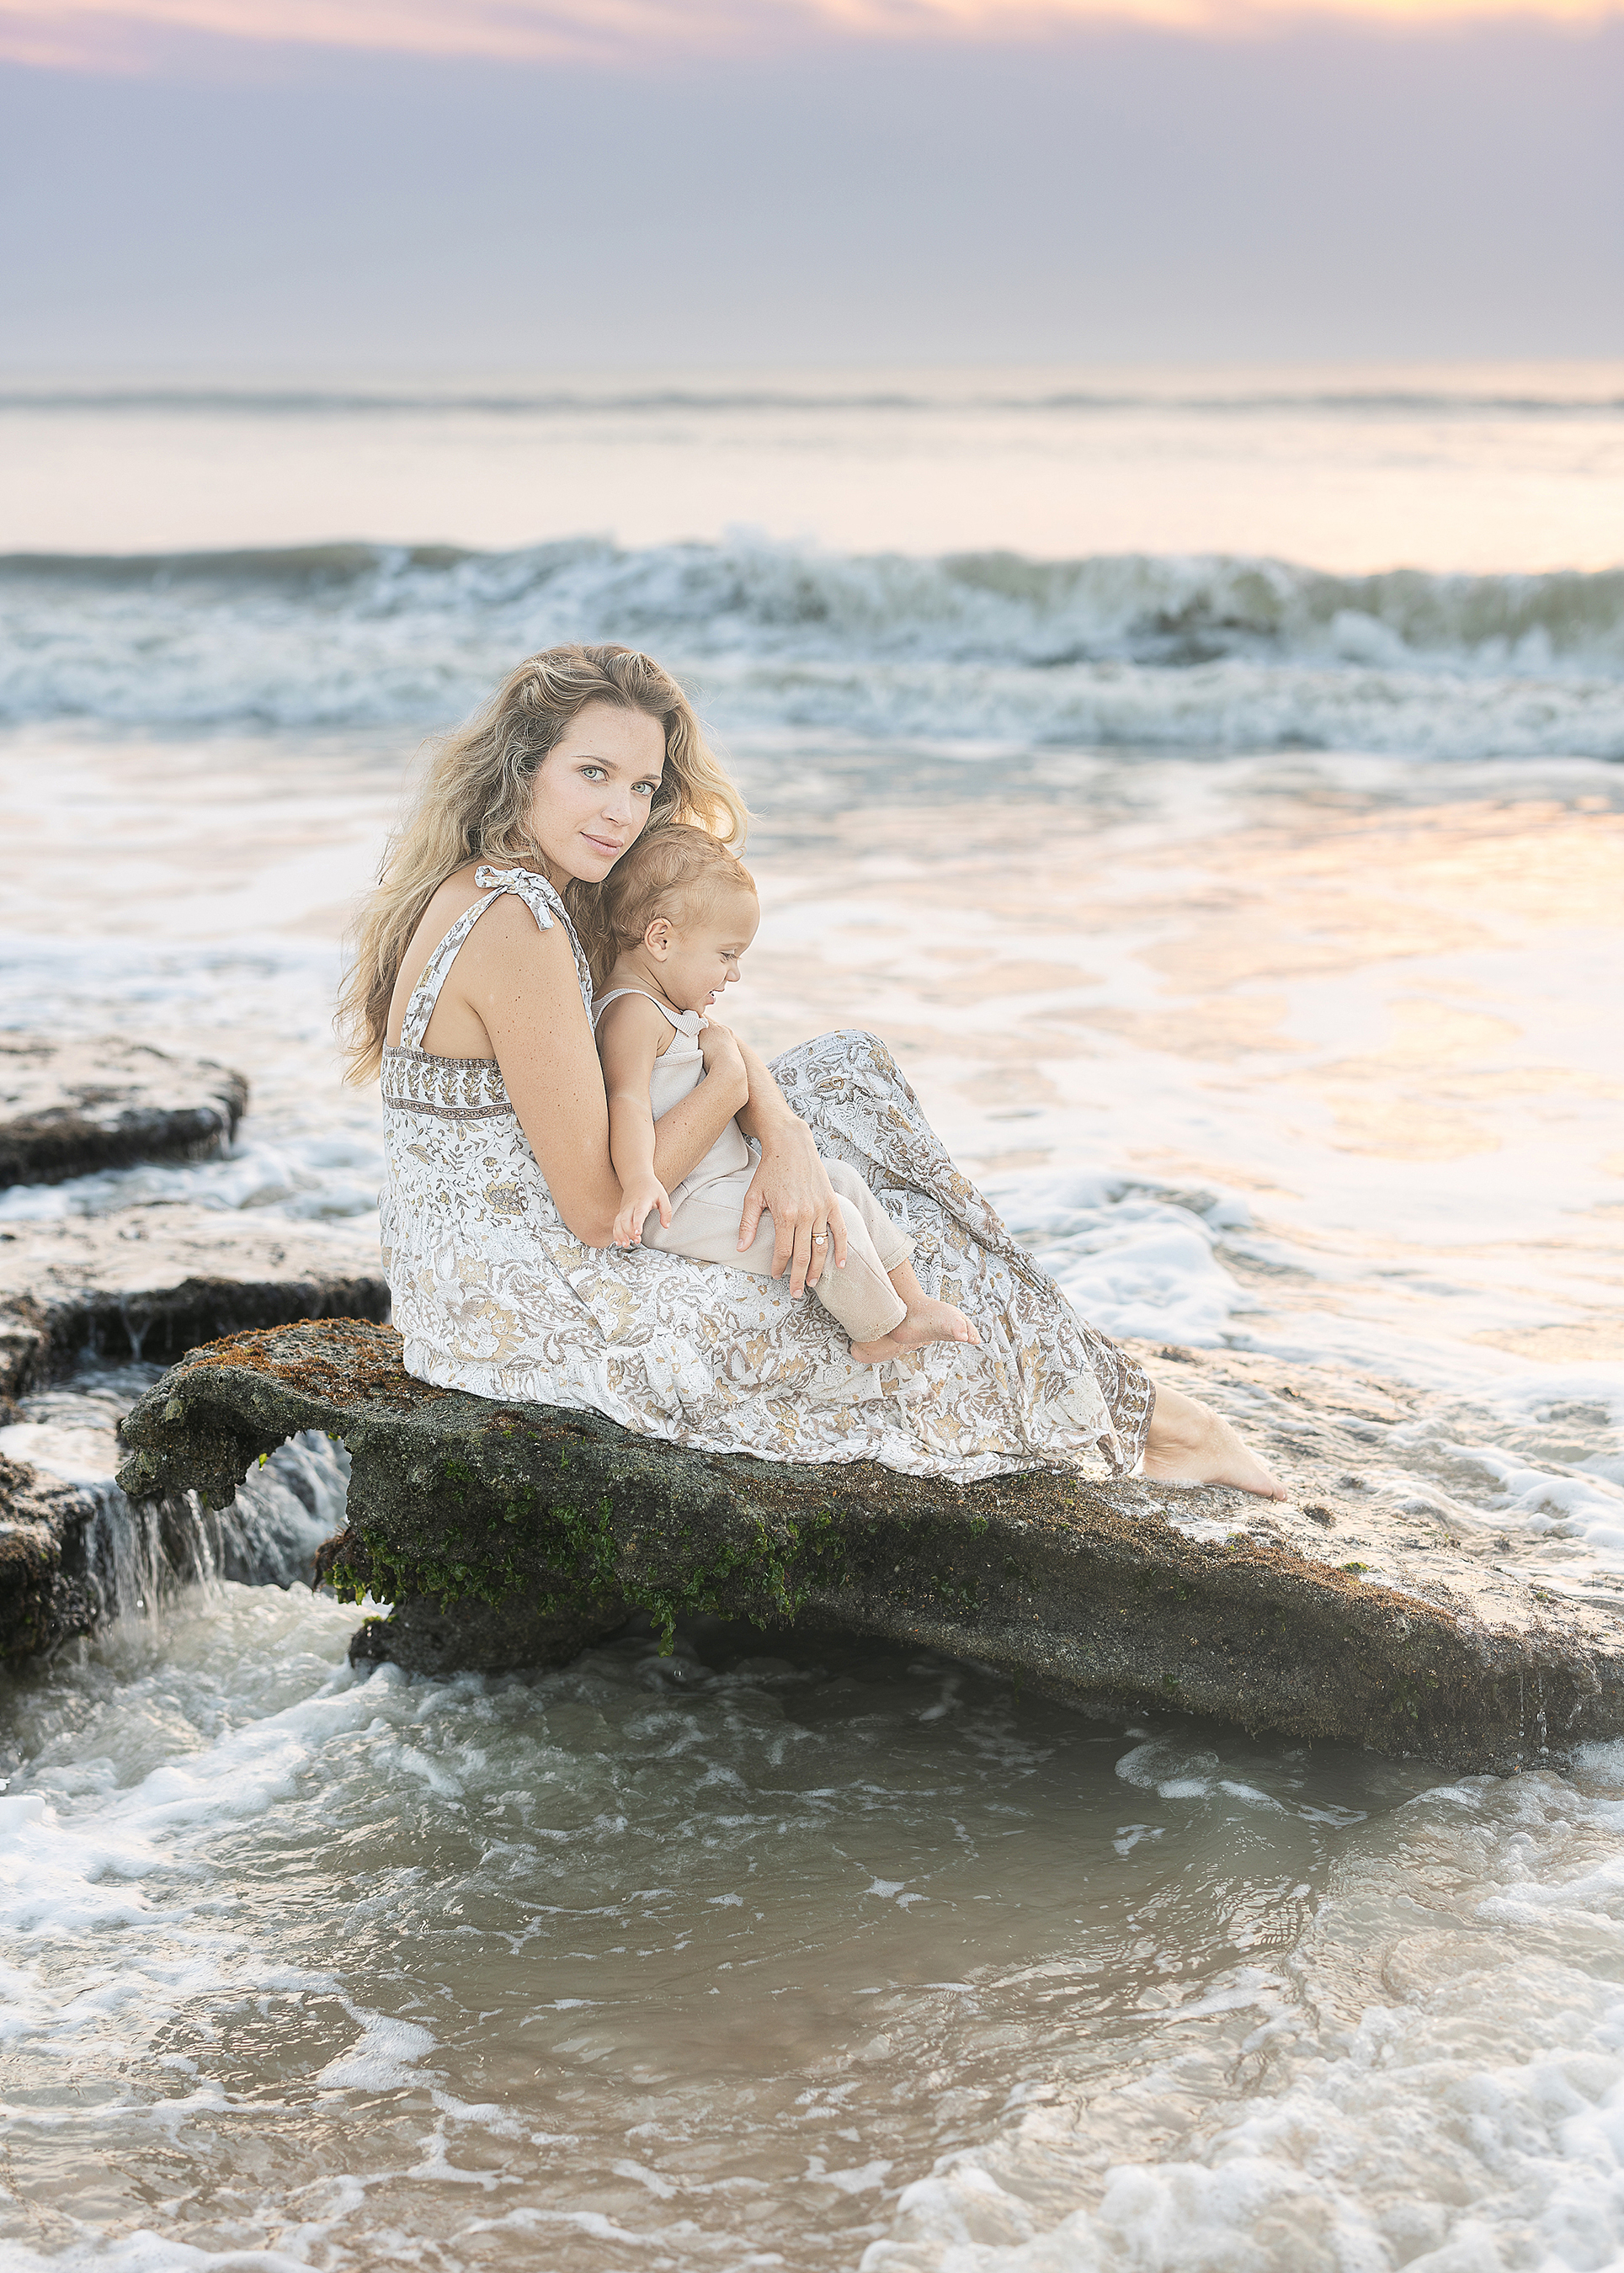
603	843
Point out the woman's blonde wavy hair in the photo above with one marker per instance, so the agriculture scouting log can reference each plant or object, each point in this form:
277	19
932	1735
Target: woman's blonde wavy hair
475	805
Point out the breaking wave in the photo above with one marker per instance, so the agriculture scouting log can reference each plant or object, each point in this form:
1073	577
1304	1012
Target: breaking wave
1212	651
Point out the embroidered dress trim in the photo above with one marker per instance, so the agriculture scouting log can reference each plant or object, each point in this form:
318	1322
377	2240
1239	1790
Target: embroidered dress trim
503	1111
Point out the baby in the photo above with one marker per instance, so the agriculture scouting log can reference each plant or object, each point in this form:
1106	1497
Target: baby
683	911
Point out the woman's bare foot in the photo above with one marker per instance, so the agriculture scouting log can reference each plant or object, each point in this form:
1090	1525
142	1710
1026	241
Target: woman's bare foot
1189	1444
926	1322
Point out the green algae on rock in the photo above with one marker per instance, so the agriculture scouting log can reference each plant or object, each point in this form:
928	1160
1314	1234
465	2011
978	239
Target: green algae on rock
514	1535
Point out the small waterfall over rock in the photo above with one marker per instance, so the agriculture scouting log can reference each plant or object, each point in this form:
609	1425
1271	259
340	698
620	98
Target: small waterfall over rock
136	1556
121	1561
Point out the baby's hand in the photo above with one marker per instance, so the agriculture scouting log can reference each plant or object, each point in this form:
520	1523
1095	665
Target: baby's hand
637	1199
717	1042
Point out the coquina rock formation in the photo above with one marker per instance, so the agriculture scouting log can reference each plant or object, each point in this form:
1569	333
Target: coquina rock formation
514	1535
155	1279
70	1107
150	1280
155	1282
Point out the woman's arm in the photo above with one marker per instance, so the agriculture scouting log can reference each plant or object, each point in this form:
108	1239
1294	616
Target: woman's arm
791	1180
519	982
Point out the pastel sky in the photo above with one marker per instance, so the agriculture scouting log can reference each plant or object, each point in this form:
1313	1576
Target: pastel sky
390	184
89	33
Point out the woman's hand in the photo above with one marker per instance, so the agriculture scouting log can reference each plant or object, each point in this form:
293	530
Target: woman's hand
637	1197
794	1184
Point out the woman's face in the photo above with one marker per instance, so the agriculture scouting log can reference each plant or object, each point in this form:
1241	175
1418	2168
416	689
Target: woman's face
593	790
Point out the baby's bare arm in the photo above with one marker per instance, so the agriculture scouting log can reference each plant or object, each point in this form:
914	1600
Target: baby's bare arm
628	1035
684	1135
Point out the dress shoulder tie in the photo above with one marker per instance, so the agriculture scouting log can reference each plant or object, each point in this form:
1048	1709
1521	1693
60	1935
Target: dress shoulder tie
534	890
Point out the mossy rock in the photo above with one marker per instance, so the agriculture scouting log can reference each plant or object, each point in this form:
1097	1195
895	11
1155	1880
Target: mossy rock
509	1535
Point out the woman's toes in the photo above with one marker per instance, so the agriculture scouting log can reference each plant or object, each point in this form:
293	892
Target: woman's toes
1190	1443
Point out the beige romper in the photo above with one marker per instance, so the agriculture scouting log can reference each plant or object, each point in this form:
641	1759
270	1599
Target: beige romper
706	1205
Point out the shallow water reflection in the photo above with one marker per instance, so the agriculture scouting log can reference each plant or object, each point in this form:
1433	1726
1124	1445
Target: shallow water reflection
715	1949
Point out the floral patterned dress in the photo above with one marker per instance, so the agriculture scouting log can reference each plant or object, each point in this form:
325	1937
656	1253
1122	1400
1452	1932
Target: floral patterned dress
494	1295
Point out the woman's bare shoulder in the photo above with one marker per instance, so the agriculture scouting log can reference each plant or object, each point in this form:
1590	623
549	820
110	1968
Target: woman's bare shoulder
509	937
506	944
509	920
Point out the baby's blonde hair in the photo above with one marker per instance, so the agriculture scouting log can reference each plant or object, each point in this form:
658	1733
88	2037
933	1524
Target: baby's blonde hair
671	873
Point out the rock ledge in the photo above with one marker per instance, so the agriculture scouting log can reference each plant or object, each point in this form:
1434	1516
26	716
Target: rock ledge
153	1282
69	1108
513	1535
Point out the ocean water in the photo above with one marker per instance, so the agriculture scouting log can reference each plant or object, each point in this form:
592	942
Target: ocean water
1211	786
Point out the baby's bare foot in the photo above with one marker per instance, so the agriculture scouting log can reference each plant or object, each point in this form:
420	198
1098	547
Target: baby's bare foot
926	1322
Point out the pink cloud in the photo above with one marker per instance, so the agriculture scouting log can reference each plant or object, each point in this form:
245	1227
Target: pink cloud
138	34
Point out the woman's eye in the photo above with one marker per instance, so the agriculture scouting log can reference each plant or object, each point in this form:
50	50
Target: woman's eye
645	789
591	773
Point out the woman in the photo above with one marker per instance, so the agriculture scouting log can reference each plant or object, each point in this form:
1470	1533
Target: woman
471	994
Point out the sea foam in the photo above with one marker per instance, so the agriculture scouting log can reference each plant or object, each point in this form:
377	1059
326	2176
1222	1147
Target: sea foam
1209	651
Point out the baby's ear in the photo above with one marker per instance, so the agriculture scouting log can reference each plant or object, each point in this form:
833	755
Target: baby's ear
656	938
